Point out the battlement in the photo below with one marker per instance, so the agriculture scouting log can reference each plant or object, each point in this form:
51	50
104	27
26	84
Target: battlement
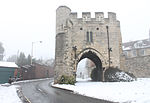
86	16
111	16
99	16
73	15
65	12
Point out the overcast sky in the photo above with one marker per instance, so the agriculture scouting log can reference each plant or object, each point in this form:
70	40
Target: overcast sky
25	21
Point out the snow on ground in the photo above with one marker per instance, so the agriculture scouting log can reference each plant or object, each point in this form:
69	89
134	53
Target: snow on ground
32	80
128	92
8	94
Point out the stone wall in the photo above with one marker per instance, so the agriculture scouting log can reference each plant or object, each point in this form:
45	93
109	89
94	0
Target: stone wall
139	66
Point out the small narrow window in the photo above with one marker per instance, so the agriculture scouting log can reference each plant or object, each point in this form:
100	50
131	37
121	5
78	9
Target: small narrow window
81	29
87	36
91	37
142	52
97	28
126	53
134	53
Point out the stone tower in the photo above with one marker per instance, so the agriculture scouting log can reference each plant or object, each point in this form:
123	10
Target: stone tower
86	37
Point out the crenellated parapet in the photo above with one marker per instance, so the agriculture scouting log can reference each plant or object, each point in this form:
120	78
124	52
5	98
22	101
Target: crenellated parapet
99	16
64	13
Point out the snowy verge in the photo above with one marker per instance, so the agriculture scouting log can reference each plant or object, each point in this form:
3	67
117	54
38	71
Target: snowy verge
129	92
33	80
8	94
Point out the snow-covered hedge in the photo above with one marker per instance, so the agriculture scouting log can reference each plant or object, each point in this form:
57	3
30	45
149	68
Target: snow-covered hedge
116	75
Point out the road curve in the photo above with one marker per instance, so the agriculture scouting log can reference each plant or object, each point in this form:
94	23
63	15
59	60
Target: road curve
41	92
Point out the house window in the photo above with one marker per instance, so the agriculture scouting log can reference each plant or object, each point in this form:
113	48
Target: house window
97	28
125	53
134	53
81	29
89	36
142	52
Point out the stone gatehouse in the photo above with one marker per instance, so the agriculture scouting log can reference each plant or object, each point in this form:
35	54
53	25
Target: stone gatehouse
98	39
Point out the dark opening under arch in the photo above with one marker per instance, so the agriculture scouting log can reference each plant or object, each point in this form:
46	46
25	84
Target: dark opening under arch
93	57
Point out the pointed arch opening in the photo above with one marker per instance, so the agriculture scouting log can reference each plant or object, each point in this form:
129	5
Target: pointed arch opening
91	56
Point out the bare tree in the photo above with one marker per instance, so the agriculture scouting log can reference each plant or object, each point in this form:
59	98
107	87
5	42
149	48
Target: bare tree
12	58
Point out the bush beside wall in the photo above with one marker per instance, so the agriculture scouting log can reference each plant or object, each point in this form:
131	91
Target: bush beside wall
67	80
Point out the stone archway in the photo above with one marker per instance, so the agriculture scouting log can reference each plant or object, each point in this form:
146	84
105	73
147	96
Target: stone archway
96	60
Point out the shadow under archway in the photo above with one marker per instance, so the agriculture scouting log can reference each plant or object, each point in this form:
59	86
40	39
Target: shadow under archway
93	57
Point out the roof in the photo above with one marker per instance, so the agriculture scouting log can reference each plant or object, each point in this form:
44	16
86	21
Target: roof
8	64
145	43
27	66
